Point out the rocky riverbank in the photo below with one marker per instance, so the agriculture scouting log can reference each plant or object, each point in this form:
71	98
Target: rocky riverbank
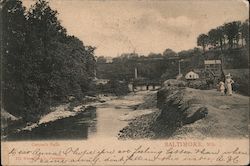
13	125
190	113
174	107
141	126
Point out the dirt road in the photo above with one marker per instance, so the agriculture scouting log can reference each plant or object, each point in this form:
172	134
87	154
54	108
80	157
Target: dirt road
228	116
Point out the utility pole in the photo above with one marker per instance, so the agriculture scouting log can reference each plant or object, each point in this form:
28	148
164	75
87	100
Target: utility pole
95	75
181	60
179	67
136	71
136	74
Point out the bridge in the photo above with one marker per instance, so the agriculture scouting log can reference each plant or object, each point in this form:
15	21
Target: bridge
140	74
135	86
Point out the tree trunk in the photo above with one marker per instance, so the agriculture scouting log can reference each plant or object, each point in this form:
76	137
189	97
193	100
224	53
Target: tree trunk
203	47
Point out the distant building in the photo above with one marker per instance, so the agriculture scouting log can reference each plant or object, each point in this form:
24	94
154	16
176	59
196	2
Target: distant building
213	66
191	76
213	71
109	59
101	81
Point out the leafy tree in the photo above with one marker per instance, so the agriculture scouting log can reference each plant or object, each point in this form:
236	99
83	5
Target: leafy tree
14	24
216	37
221	36
44	32
232	32
90	60
154	55
213	37
101	59
168	53
42	64
203	41
244	29
229	33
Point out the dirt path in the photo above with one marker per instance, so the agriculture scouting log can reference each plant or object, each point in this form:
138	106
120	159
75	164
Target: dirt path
227	116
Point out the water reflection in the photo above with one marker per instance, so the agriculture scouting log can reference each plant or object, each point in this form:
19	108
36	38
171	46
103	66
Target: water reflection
100	122
75	127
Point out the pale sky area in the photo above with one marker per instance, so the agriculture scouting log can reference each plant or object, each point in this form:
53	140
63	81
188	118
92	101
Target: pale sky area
116	27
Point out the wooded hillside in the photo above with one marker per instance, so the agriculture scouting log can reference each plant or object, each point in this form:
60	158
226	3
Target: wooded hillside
41	64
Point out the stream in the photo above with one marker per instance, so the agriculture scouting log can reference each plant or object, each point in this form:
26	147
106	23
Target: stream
105	120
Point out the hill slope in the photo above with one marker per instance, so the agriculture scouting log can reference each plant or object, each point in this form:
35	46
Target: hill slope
227	116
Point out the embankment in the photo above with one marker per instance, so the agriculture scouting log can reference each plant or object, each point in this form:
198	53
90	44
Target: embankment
175	108
179	106
12	125
191	113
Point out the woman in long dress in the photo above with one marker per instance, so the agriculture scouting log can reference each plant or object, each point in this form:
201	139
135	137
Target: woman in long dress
228	83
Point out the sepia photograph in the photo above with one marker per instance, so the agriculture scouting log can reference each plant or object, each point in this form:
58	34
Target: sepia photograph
124	70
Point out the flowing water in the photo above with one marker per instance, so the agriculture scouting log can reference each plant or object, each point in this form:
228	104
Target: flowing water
104	121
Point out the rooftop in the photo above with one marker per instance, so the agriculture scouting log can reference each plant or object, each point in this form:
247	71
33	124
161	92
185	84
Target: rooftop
209	62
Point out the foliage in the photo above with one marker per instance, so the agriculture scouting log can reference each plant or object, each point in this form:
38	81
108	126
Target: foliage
101	59
168	53
154	55
227	35
41	63
203	41
244	29
117	87
232	32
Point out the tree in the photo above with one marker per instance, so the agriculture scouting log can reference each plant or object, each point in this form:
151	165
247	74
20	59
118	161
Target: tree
41	62
168	53
203	41
213	37
154	55
232	32
216	37
101	59
89	53
244	29
14	25
44	35
221	36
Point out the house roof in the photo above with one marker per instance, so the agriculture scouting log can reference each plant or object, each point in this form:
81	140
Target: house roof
101	81
191	72
209	62
191	75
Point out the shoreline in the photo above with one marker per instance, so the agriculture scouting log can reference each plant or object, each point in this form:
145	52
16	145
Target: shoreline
141	126
59	112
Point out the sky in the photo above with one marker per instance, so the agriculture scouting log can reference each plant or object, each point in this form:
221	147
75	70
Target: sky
144	26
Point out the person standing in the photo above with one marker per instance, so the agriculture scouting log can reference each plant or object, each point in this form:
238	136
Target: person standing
228	83
221	87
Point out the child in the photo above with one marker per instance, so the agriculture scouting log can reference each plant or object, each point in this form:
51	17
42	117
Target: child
222	87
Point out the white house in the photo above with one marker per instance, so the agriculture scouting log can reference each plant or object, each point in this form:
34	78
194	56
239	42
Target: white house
191	76
101	81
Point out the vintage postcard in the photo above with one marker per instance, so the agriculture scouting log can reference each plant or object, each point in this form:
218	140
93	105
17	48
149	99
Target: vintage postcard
124	82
